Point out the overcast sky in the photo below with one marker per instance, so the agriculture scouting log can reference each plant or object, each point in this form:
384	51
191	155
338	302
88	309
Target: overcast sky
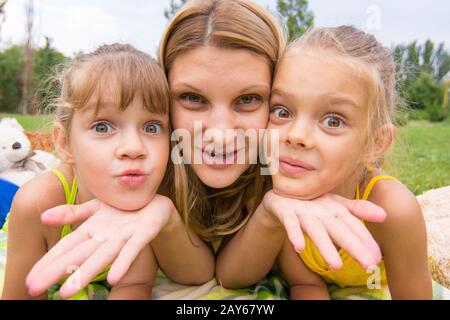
75	25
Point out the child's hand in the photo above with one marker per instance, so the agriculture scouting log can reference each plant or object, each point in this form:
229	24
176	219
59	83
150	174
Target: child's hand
326	218
108	235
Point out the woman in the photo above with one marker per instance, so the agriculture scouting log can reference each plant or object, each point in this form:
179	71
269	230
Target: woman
219	57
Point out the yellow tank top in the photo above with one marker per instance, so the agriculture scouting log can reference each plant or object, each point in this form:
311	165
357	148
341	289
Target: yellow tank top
71	194
352	273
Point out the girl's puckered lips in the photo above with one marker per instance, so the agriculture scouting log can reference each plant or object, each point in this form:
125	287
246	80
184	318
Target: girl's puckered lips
294	167
132	177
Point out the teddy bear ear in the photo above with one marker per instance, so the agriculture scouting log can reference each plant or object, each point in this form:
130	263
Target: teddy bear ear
12	123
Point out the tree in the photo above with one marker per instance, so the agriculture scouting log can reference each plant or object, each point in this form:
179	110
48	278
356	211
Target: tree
11	66
441	63
2	14
28	60
175	5
46	61
296	15
414	59
10	78
421	70
424	92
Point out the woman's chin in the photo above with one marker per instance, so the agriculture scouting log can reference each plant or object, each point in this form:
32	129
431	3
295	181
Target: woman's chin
219	178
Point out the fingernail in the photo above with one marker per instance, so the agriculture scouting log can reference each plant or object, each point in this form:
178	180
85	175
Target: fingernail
46	216
371	268
33	292
336	266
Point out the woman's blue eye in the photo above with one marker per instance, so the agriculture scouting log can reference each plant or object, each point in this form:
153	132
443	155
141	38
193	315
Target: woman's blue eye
248	99
333	122
152	128
102	127
193	98
281	113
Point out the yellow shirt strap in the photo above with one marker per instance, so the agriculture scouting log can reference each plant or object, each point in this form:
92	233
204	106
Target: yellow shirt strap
70	193
64	183
370	186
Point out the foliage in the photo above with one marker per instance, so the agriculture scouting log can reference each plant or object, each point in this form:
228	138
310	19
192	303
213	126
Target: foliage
11	67
424	92
436	113
296	15
174	6
10	78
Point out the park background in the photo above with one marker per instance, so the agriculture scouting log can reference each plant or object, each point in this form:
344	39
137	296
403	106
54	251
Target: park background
36	36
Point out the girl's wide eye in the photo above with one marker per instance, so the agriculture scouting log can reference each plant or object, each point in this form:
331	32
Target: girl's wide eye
152	128
280	112
333	122
102	127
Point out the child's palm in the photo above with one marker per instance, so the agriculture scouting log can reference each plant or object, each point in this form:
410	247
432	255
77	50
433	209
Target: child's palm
106	236
328	218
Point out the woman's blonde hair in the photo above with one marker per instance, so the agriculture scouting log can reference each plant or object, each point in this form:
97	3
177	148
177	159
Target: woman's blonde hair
132	72
362	53
238	24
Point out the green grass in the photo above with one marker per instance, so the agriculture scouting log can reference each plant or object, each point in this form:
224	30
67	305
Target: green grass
32	123
420	158
421	155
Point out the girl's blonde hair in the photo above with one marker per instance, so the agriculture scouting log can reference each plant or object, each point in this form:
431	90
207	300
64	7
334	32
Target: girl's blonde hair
131	72
368	58
238	24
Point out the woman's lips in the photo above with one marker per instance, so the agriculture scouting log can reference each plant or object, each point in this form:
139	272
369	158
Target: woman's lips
294	168
220	161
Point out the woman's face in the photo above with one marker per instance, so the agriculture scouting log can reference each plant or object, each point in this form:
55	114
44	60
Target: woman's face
222	91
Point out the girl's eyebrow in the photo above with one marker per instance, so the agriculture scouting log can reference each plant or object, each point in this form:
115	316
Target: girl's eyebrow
340	100
279	92
91	108
335	99
102	104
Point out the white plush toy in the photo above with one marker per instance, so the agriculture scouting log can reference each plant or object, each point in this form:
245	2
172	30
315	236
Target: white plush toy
18	163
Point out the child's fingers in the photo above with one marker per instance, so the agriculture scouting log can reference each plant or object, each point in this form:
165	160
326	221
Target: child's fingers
65	245
90	268
62	266
348	241
129	252
123	262
362	209
362	233
294	231
69	214
320	237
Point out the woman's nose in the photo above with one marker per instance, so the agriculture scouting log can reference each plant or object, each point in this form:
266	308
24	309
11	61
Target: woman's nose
220	125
